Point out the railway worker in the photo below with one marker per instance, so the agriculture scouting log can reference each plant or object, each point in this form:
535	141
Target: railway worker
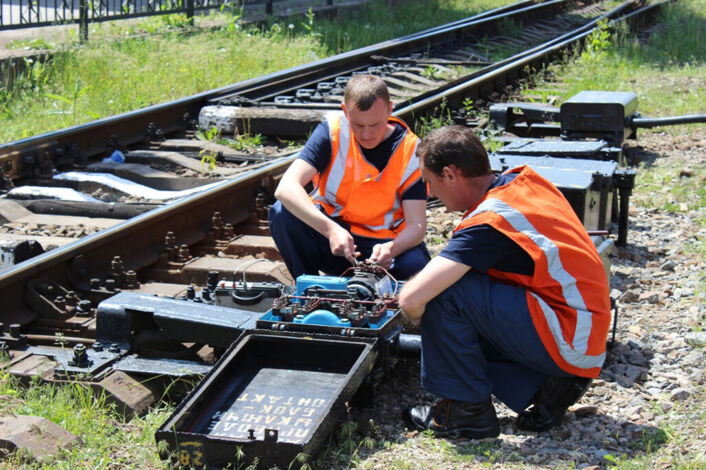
517	303
369	201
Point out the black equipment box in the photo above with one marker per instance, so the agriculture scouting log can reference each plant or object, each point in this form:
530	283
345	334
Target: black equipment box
587	184
598	114
271	396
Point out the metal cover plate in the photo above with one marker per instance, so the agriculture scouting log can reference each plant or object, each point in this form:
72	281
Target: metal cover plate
554	147
283	399
272	395
160	366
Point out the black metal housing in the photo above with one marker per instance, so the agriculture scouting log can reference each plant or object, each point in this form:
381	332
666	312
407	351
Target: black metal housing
271	397
598	114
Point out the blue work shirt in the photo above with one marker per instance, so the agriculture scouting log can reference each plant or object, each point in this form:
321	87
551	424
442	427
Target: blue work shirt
482	247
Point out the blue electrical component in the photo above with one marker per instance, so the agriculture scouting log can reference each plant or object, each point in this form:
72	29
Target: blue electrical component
364	300
322	317
308	281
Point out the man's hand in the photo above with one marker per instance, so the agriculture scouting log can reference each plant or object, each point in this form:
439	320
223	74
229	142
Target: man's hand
342	244
382	254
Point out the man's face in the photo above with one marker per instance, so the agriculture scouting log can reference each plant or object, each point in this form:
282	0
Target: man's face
369	127
443	186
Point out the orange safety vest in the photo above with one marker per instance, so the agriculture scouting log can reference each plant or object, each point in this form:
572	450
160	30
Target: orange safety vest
568	294
353	190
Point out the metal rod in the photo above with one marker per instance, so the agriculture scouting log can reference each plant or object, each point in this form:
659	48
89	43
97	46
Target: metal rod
667	121
53	340
623	217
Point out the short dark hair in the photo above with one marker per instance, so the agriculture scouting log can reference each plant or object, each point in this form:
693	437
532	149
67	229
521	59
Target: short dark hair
363	90
456	145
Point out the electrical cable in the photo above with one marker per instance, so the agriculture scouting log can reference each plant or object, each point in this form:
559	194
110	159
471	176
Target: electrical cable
247	266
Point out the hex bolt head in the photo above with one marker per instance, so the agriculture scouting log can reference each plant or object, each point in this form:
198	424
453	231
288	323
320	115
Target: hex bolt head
60	302
110	284
116	264
212	279
97	346
79	352
131	277
84	306
71	298
95	283
15	330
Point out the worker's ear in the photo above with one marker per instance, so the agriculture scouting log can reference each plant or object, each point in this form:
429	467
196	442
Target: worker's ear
389	108
343	107
450	171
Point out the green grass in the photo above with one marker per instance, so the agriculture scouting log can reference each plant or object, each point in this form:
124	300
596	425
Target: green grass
108	77
379	22
163	59
664	189
109	441
668	74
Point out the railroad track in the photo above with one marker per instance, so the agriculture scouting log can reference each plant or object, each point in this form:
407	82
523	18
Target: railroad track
176	245
458	63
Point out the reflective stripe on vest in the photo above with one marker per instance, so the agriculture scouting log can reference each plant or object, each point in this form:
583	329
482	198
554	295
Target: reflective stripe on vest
380	214
574	353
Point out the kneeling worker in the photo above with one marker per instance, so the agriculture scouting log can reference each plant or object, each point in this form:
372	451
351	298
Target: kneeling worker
516	305
369	200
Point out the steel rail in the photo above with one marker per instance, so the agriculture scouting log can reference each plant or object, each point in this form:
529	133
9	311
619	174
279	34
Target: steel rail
94	138
189	218
360	58
492	78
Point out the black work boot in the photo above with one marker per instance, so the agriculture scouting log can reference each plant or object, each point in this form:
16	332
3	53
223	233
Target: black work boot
456	418
551	401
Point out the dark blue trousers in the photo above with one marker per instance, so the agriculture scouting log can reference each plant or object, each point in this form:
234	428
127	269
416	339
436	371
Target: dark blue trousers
478	339
306	251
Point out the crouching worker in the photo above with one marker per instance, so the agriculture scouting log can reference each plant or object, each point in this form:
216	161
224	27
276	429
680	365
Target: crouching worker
369	201
516	305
